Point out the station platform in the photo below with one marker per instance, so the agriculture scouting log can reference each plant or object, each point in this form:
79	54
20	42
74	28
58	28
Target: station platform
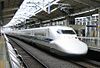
4	63
97	49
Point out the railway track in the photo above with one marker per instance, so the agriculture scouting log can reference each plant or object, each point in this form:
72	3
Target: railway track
86	63
29	60
54	62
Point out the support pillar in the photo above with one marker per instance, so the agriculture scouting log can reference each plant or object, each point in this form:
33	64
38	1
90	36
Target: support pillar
67	21
1	12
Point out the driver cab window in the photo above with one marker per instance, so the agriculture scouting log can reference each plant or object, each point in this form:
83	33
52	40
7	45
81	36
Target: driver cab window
67	32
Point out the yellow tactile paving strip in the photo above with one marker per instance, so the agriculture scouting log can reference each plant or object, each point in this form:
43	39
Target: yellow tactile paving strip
3	57
2	64
1	54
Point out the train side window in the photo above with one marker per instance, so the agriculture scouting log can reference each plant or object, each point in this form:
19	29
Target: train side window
59	31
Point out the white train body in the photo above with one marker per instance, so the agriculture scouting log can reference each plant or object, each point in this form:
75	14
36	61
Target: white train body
58	39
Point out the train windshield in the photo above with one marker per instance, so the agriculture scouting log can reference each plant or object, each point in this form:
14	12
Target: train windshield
67	31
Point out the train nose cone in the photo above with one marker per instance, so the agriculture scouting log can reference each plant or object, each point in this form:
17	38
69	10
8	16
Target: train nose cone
72	46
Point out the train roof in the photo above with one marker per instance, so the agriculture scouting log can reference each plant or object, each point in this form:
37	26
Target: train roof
56	27
52	28
59	27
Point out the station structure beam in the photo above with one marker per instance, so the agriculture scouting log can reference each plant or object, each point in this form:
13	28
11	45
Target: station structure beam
10	9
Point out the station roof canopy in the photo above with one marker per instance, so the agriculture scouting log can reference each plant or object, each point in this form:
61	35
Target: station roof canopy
55	8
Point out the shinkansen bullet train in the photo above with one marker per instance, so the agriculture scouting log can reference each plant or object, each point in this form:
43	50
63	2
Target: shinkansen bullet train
60	40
